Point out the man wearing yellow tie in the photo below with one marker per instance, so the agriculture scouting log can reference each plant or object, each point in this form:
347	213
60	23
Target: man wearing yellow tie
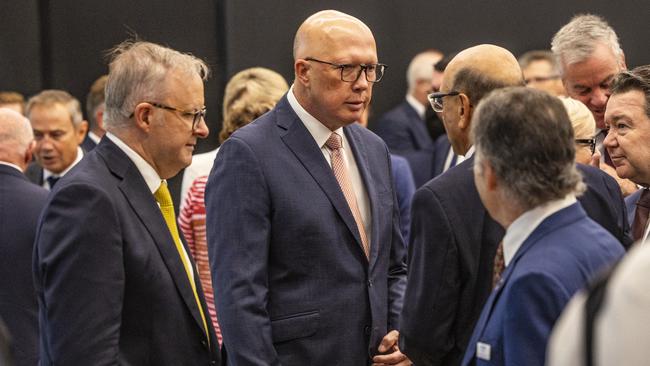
114	280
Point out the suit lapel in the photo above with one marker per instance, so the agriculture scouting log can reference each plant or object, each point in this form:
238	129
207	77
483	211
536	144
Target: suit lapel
145	207
563	217
302	144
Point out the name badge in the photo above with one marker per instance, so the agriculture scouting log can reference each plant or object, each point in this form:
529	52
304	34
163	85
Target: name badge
483	351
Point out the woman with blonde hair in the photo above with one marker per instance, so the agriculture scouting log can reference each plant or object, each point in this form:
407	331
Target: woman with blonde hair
249	94
584	129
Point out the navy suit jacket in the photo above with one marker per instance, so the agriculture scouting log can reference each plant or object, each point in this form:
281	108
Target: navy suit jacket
558	258
404	188
292	283
21	203
441	149
111	286
406	135
451	255
88	144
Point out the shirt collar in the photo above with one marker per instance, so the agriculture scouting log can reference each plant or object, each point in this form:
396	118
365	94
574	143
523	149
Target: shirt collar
524	225
419	108
318	131
47	173
11	165
149	174
93	136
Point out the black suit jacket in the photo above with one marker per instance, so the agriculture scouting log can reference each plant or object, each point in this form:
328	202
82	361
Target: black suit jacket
21	203
451	255
111	286
88	144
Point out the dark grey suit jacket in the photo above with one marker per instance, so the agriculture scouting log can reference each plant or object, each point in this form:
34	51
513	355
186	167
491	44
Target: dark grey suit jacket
111	285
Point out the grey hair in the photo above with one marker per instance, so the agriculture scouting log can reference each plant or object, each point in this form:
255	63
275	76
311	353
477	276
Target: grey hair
136	71
51	97
539	55
636	79
576	41
526	137
421	67
15	132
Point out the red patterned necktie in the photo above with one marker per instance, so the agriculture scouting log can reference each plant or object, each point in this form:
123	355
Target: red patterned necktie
499	265
641	215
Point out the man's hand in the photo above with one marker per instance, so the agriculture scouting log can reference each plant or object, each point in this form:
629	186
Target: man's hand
390	353
627	186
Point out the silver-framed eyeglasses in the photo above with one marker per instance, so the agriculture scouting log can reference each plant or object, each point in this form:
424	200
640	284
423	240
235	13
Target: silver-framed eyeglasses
350	73
435	99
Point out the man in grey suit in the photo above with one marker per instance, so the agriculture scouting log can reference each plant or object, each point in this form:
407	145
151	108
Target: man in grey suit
307	259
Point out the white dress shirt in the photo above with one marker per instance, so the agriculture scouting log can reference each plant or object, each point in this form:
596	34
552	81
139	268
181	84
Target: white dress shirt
320	133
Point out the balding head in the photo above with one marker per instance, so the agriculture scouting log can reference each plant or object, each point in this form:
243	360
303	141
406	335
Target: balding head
327	45
16	138
474	73
326	29
478	70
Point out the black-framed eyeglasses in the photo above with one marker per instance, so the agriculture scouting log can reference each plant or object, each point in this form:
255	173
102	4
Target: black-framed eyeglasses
590	142
350	73
435	99
196	115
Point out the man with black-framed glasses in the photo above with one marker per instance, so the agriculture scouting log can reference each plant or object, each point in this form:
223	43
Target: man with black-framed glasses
302	222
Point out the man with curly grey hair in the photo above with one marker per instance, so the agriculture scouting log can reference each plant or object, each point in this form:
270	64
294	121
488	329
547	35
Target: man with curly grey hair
114	280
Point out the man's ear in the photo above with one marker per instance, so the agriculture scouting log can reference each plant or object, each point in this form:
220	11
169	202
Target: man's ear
81	131
29	153
622	61
301	69
465	112
142	115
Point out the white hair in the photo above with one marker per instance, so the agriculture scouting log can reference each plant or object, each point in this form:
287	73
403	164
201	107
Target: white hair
421	67
15	132
577	40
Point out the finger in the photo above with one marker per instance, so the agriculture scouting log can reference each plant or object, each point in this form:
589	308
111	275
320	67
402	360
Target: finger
388	341
595	159
390	359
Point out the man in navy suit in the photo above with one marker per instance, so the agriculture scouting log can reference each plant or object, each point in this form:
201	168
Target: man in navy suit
403	127
114	280
551	248
20	205
453	239
305	248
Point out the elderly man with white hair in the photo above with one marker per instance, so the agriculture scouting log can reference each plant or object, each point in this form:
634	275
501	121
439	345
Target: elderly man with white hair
20	204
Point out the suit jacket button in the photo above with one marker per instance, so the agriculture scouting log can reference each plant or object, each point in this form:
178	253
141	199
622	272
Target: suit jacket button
214	363
369	283
205	344
366	330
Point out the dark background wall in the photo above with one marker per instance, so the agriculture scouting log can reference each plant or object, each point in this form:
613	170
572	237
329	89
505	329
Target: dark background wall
60	44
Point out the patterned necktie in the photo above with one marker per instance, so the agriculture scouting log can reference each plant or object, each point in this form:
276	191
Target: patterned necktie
334	143
498	266
51	180
641	215
164	199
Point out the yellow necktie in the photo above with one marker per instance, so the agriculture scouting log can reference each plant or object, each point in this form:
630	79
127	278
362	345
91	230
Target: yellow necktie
164	199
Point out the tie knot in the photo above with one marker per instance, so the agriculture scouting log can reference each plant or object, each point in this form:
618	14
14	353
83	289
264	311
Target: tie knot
334	142
51	180
644	200
162	195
